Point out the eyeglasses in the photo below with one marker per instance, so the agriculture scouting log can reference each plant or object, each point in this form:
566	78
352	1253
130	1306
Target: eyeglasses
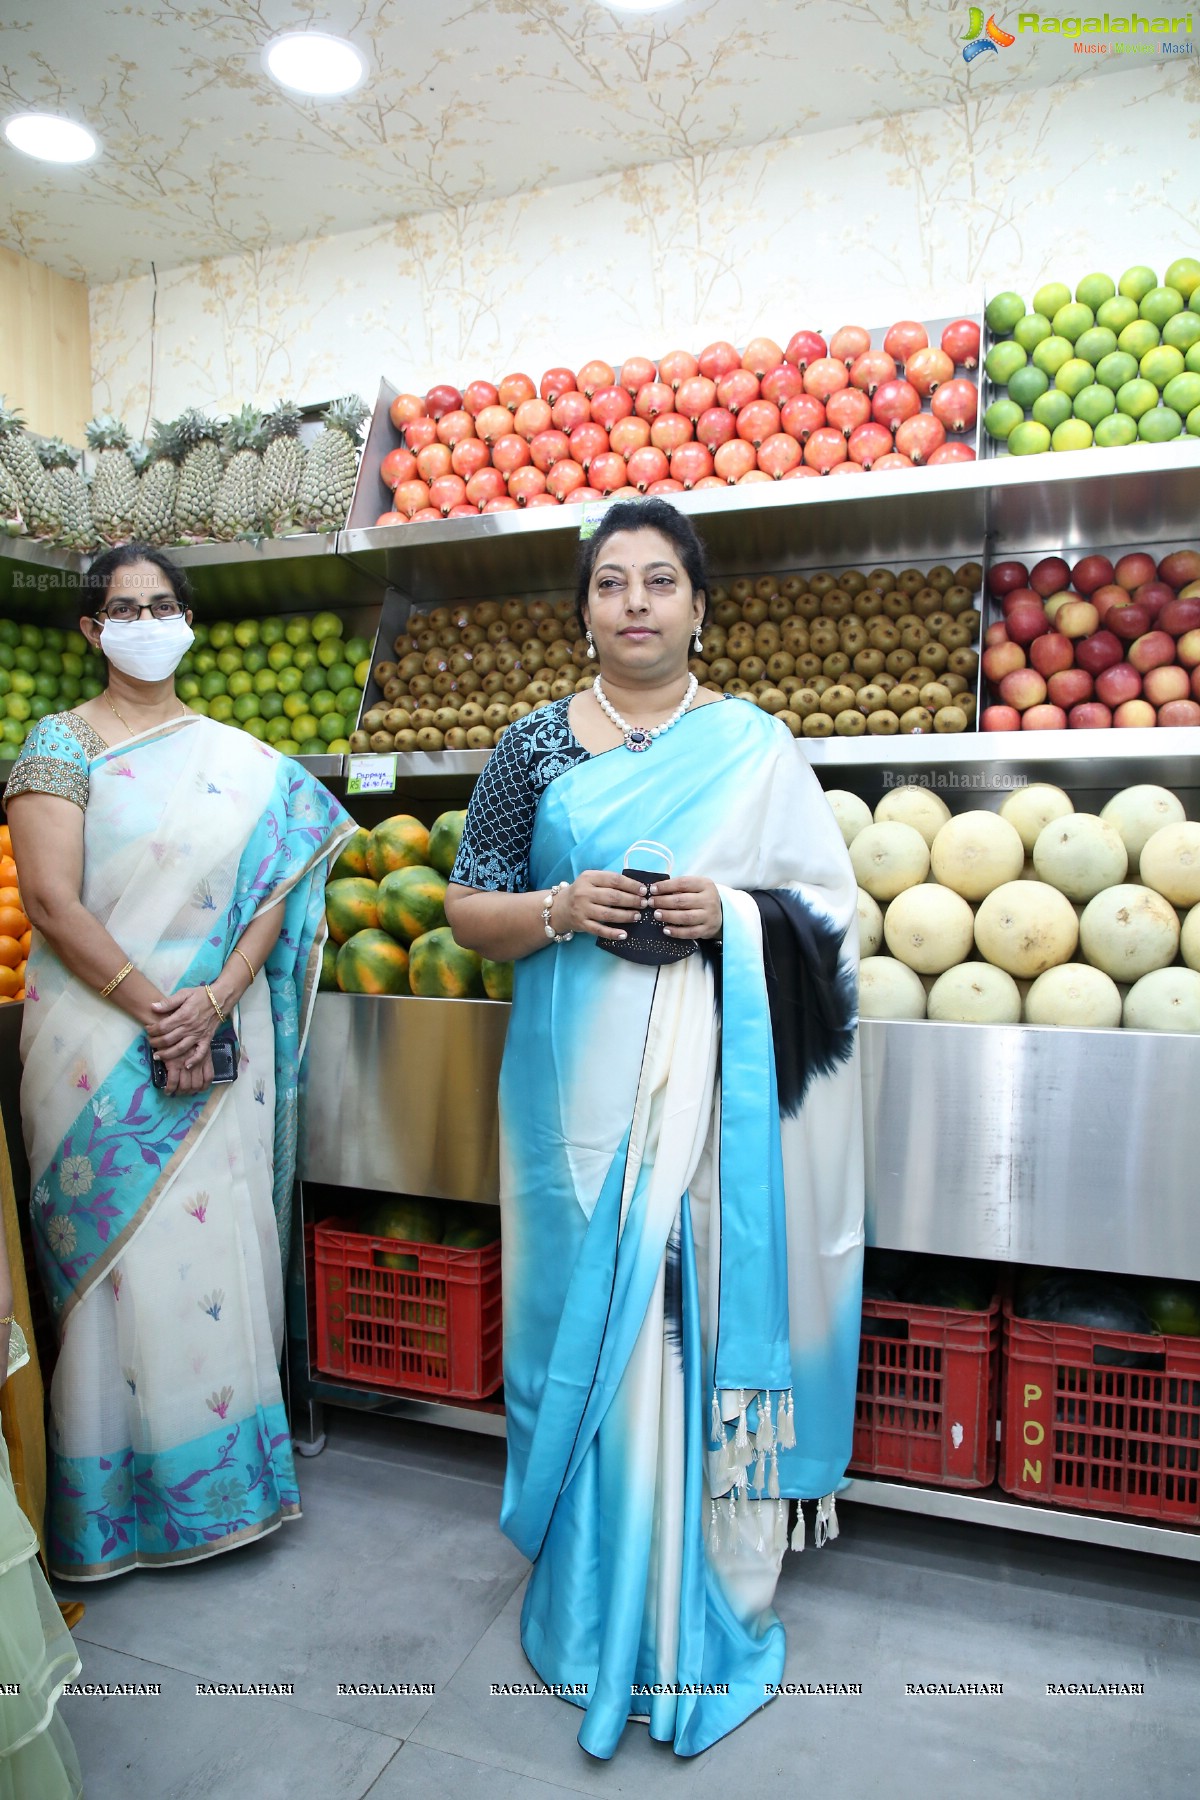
124	612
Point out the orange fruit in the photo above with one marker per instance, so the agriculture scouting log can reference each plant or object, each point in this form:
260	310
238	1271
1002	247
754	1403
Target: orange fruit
10	953
8	872
11	896
12	923
21	973
20	995
10	983
26	942
5	841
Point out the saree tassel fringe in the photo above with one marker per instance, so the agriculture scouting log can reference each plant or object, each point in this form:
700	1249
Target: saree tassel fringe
773	1479
716	1428
743	1502
714	1529
759	1478
787	1422
827	1525
764	1437
781	1526
798	1528
742	1436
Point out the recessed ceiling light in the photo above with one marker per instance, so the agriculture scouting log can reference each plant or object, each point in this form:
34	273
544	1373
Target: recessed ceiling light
50	137
315	62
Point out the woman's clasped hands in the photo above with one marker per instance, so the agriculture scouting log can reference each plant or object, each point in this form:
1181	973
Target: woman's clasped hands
180	1034
607	905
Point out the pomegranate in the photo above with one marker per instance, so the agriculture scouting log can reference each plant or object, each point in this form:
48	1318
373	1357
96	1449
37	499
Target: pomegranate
825	377
735	459
761	354
781	384
737	389
654	397
676	367
434	460
847	468
709	481
848	343
542	499
410	497
594	375
671	430
419	432
588	440
442	399
753	475
718	359
628	435
607	472
868	443
801	472
555	382
447	491
872	369
464	510
549	447
492	423
805	348
397	466
391	518
895	459
960	341
825	449
927	369
524	482
952	451
716	426
757	421
426	513
564	478
904	339
695	395
692	464
509	453
581	496
611	404
468	456
647	465
477	395
453	427
514	389
501	503
570	409
531	417
801	416
668	485
636	372
894	402
404	409
486	484
848	408
777	454
920	436
956	404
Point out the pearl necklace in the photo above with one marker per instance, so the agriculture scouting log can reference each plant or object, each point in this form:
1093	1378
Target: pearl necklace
636	737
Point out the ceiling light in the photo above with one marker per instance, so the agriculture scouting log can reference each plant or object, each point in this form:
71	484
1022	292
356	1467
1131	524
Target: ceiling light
314	62
50	138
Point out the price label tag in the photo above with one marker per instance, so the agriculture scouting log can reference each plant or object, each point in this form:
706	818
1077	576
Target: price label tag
593	512
372	775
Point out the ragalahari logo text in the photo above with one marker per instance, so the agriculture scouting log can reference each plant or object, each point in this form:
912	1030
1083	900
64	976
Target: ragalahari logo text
984	37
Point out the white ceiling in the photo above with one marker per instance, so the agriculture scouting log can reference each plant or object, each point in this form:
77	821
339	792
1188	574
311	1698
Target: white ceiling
467	100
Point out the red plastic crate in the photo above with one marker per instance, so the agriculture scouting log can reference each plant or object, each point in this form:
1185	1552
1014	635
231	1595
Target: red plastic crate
434	1329
1079	1431
928	1389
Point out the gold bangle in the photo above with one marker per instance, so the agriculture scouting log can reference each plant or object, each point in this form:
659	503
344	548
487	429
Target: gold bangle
9	1319
215	1003
116	981
246	960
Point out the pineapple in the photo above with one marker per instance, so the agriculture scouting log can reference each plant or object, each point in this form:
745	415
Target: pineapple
327	484
39	502
282	467
62	464
199	477
114	483
236	508
12	517
154	513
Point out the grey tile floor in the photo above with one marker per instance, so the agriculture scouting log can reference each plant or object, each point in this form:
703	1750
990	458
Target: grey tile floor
397	1573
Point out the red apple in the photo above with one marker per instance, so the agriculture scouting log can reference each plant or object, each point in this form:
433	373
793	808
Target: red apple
1024	596
1191	591
1091	716
1027	622
1060	599
1110	595
1135	568
999	718
1179	617
1044	718
1196	684
1050	653
1091	572
1100	651
1023	688
1128	622
1002	660
1077	619
1154	594
1119	683
1187	650
1165	683
1153	651
1047	576
1180	567
1179	712
1069	687
1133	715
1003	576
995	634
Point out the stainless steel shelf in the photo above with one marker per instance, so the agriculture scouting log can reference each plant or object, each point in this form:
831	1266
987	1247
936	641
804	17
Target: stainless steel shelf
290	574
37	579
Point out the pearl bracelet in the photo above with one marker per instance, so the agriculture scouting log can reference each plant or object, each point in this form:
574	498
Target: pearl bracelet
556	937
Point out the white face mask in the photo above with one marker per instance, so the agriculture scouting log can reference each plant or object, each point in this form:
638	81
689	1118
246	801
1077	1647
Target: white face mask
147	649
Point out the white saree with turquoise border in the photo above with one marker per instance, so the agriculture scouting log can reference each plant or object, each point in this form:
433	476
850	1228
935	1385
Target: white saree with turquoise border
682	1223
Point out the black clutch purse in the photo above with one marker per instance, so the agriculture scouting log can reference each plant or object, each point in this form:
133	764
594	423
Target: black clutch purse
646	941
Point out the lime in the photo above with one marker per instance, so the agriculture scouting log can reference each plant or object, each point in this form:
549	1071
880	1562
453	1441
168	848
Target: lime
276	728
1193	422
1138	338
1074	376
16	706
1028	438
1160	425
246	706
200	633
40	705
90	686
1072	434
31	637
338	746
1184	274
1003	311
1191	361
1183	330
329	651
229	659
289	680
239	683
266	681
270	631
185	664
313	679
304	656
1115	370
50	662
323	701
1072	320
297	631
1000	418
221	707
1116	314
1137	397
220	635
271	706
295	704
361	671
5	683
46	685
1137	282
204	661
187	687
1052	297
1183	393
10	632
1161	304
212	684
12	731
279	655
1161	365
25	657
355	648
1052	408
331	725
287	746
246	632
199	705
254	659
314	746
1094	290
348	700
1095	403
1194	302
70	691
1052	353
1003	360
1027	384
1096	344
327	625
22	682
339	675
304	726
8	657
255	728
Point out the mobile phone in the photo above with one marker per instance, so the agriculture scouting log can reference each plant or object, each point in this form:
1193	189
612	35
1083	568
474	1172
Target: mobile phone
224	1059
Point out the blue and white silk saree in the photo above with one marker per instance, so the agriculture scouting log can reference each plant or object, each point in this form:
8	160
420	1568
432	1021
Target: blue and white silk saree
161	1220
682	1225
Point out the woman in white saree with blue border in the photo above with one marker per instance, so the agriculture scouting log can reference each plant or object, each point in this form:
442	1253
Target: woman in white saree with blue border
681	1184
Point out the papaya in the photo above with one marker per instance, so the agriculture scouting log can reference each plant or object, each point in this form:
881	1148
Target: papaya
444	838
401	842
371	962
351	904
497	980
440	969
327	980
352	857
411	901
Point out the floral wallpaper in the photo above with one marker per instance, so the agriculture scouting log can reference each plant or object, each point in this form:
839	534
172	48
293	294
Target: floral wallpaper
915	212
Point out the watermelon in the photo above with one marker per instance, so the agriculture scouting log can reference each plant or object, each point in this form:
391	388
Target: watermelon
444	838
411	901
327	981
1095	1301
352	857
398	843
497	980
951	1282
371	962
1174	1306
351	904
471	1227
413	1220
440	969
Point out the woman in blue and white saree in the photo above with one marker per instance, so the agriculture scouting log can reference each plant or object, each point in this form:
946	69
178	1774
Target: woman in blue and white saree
681	1157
